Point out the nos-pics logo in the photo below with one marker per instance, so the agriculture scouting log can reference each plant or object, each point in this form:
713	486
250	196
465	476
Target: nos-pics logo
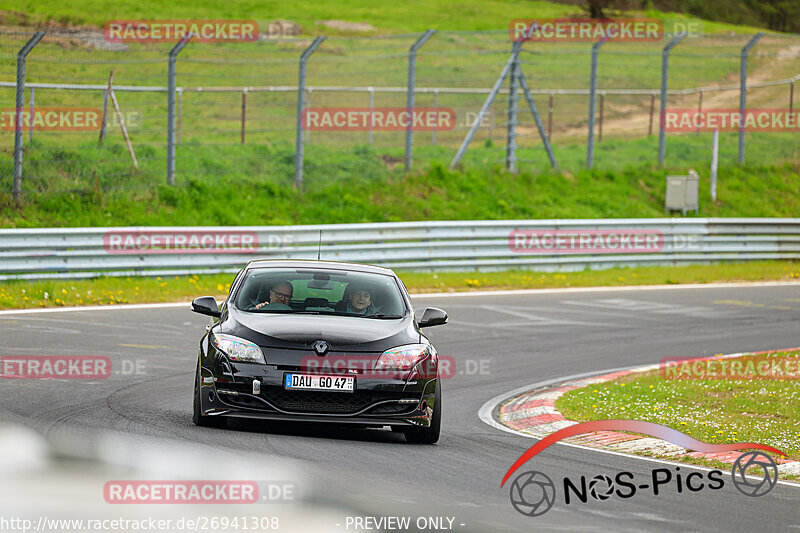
533	493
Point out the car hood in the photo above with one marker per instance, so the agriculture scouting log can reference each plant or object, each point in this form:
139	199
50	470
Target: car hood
300	332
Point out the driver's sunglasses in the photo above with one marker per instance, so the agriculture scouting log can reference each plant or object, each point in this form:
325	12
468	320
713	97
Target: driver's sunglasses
282	295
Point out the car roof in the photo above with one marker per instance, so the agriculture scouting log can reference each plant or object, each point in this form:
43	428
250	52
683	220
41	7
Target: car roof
309	263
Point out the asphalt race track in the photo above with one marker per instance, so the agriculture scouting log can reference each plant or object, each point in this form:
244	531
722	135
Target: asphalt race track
500	342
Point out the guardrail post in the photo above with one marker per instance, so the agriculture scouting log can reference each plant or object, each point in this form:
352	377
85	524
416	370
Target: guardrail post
592	101
16	186
743	91
301	89
662	134
412	82
171	74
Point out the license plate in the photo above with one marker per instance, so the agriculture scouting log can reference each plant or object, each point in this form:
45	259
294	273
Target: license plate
314	382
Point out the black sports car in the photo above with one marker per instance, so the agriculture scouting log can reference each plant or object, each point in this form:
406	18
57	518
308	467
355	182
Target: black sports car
319	341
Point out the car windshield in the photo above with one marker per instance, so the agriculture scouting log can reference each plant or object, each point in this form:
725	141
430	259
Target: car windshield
321	291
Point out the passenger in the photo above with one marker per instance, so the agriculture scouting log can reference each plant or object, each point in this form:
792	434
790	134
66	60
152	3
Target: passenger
280	293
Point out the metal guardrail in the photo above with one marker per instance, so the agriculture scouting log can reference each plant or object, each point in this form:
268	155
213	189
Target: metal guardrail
417	246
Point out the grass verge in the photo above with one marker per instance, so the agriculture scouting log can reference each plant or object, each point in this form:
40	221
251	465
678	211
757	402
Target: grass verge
357	186
718	411
129	290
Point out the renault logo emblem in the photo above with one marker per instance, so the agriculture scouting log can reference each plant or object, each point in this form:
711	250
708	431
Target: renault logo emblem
321	347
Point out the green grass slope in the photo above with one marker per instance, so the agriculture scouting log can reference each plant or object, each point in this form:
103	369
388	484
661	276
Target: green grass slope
359	187
387	17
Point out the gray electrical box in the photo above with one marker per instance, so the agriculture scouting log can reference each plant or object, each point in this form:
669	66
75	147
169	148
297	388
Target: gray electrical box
682	193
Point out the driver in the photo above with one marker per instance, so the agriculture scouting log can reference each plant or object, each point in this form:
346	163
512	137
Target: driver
360	301
280	293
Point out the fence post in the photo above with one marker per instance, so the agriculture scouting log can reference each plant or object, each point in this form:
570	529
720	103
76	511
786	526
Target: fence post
699	109
436	109
308	105
33	108
791	96
662	134
371	109
180	116
301	90
652	110
714	164
482	113
592	98
171	74
600	122
550	117
412	82
536	118
106	95
511	118
244	110
743	91
16	186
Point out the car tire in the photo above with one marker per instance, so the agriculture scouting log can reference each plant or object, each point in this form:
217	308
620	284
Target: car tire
197	416
430	434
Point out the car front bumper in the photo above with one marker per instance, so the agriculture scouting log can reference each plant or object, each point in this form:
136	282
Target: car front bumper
229	392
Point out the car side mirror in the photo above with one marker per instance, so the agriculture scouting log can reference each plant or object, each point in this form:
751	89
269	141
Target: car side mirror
433	316
206	305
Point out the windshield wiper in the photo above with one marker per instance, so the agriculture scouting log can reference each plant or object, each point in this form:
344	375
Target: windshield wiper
382	316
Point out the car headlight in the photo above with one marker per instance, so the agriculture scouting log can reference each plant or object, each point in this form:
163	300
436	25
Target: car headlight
238	349
402	358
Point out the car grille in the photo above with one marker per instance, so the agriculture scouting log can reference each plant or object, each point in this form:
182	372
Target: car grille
318	401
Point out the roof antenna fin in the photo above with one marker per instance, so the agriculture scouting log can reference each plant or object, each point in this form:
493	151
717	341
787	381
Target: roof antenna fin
319	248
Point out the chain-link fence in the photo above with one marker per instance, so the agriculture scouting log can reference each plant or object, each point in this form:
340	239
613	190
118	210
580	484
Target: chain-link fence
236	110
